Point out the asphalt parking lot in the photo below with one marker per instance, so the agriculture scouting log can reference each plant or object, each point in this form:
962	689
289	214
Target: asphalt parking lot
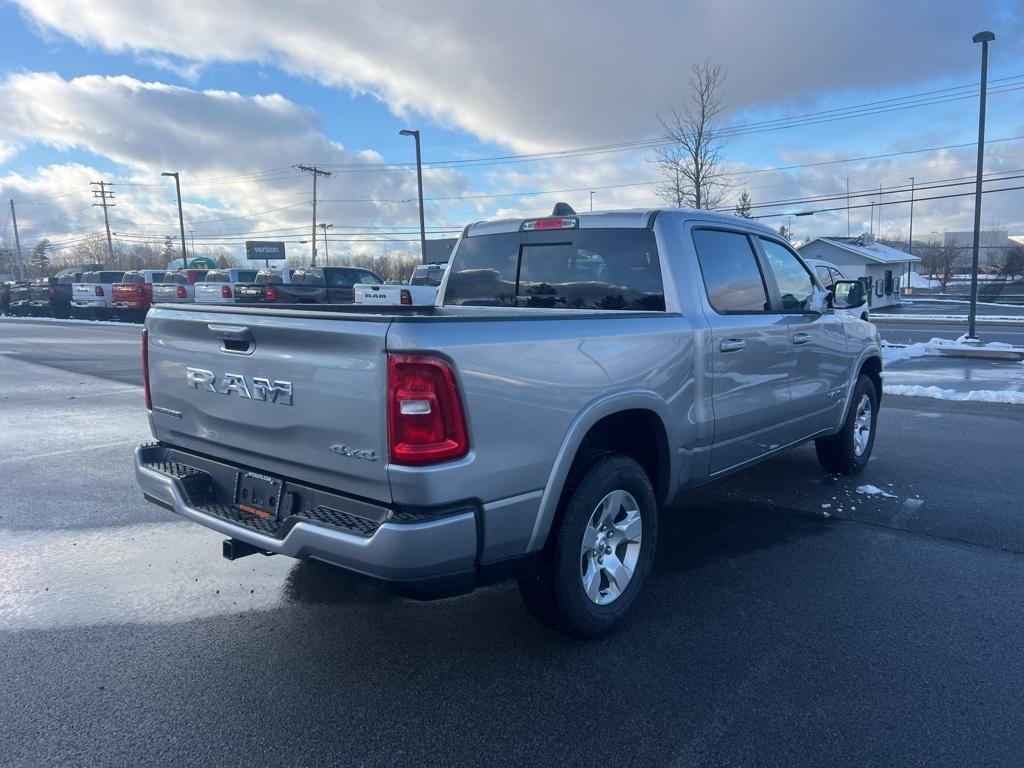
791	620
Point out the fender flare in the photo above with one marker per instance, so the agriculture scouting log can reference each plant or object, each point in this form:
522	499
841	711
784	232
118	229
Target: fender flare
852	384
589	415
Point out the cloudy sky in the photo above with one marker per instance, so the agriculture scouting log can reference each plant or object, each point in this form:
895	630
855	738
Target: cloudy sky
519	104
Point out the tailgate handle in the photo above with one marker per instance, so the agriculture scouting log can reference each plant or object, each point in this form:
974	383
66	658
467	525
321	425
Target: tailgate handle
235	339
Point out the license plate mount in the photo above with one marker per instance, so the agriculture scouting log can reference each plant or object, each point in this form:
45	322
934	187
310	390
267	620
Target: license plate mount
258	495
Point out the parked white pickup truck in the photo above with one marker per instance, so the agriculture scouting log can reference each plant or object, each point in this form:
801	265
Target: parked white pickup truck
421	290
219	285
93	297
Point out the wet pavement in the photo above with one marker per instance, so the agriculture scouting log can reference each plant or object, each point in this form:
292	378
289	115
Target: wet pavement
960	375
791	619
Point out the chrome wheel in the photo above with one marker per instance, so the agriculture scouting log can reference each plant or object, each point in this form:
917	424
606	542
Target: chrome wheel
611	547
862	426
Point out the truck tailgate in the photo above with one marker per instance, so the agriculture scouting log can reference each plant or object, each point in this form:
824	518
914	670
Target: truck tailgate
332	431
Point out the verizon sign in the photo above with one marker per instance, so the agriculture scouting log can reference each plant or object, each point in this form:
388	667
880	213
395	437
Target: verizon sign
263	250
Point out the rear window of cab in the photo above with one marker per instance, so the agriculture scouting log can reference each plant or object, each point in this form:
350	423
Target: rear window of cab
609	269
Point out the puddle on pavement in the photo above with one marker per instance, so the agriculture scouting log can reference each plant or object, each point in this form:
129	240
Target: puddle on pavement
155	573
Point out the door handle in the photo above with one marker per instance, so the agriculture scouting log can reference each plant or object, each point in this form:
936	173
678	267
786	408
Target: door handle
732	345
801	338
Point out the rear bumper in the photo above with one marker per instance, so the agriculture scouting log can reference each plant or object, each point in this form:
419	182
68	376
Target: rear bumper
90	304
425	555
130	304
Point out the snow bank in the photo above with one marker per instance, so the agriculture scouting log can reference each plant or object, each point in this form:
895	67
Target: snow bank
1011	397
70	320
894	353
916	318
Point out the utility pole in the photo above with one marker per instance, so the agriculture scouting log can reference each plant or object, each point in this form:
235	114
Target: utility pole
316	172
181	218
192	235
847	206
105	198
327	253
17	242
984	38
591	201
910	241
879	210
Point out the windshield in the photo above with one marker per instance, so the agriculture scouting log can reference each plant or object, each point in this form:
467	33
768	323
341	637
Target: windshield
566	269
176	278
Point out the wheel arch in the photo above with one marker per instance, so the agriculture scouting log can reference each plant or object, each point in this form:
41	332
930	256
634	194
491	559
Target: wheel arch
635	423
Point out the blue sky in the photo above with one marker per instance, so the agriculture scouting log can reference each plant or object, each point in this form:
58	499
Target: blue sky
233	95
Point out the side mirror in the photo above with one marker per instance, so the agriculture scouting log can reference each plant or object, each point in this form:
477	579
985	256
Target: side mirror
848	294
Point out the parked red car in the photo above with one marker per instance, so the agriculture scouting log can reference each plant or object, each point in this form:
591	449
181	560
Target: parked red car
133	296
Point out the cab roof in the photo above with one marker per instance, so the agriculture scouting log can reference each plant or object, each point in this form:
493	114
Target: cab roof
636	218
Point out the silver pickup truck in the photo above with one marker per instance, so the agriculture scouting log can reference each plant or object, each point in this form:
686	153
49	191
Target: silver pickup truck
577	373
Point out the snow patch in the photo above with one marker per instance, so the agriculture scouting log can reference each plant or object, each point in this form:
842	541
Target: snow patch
1010	397
874	490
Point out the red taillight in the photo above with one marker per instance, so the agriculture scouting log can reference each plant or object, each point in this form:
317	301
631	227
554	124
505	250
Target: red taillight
225	291
145	369
561	222
426	423
270	293
53	293
182	293
406	296
98	290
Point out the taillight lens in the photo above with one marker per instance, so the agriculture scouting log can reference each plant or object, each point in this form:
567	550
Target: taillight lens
270	293
182	293
225	291
406	296
426	423
53	293
98	290
145	369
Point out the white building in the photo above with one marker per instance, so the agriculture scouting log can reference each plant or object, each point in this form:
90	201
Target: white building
881	268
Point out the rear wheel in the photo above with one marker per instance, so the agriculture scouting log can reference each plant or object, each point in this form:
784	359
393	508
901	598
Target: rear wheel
601	554
847	452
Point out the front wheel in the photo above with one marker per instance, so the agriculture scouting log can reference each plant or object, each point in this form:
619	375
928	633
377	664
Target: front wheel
601	553
847	452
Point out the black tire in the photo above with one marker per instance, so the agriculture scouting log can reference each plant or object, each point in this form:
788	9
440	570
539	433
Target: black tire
838	453
555	594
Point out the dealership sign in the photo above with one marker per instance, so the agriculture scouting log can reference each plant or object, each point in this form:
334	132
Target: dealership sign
263	250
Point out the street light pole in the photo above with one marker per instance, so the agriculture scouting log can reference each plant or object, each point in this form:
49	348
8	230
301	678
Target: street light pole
181	218
591	201
984	38
419	182
327	254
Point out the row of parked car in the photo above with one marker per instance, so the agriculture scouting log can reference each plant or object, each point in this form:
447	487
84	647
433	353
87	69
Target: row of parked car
109	294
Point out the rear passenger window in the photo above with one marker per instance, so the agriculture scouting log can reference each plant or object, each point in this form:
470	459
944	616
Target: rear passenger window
823	276
731	275
795	283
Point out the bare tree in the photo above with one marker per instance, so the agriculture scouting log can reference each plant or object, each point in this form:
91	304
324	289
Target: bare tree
786	233
692	162
1012	262
940	263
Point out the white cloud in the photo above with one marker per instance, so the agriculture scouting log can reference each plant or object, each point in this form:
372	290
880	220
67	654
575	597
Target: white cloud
218	140
534	75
